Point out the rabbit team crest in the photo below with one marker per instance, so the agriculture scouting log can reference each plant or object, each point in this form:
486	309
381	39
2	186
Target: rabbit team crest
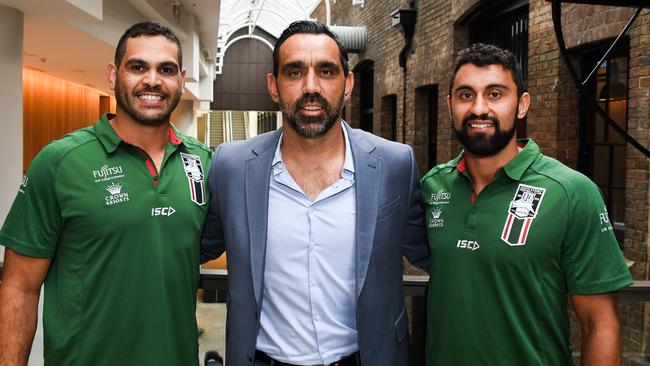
194	173
521	212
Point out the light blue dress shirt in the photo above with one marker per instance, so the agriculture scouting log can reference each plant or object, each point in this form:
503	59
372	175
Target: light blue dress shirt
309	302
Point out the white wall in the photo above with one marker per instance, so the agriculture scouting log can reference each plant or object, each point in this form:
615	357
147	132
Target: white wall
184	119
11	105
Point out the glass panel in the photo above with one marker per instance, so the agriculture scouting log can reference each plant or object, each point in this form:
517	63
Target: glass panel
599	126
618	166
617	206
617	112
601	165
617	82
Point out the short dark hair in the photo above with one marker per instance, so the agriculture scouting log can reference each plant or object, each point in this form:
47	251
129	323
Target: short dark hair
146	29
308	27
481	55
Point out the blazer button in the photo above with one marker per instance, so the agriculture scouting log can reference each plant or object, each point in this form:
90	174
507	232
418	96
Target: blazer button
250	358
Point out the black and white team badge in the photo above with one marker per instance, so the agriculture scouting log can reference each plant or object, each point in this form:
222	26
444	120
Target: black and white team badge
521	212
194	172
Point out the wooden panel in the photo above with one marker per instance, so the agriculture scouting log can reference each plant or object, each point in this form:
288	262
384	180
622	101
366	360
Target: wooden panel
54	107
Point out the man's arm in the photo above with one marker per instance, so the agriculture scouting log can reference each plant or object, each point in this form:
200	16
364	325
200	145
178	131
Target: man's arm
212	239
19	292
415	249
601	344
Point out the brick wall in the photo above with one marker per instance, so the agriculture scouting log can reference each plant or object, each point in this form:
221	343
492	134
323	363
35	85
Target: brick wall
553	120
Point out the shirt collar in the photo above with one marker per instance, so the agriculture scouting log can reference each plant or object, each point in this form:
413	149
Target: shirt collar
516	167
111	141
348	163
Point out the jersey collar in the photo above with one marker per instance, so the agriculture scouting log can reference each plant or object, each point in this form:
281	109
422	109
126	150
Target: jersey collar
516	167
111	141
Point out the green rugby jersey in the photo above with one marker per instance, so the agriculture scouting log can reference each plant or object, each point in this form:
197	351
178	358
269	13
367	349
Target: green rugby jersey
124	244
502	267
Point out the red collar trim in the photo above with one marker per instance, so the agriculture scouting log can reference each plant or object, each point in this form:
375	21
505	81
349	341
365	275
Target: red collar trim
462	165
173	138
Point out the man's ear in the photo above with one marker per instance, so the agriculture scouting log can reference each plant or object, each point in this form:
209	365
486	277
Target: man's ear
524	103
111	74
449	106
272	86
349	85
183	81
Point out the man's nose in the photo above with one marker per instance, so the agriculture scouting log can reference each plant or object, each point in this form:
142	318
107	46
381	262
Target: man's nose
152	78
311	84
480	106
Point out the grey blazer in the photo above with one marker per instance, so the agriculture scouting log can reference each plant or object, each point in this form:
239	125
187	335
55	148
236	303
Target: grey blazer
389	224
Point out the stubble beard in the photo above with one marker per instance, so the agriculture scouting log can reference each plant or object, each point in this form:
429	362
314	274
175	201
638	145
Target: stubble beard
312	127
126	103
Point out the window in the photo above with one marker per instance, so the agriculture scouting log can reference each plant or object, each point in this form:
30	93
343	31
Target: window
602	151
389	117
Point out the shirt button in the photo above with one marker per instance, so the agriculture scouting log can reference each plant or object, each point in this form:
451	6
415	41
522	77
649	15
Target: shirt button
313	283
316	317
310	210
474	210
280	166
312	245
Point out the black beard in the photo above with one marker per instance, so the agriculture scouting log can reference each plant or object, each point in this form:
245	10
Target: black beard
122	100
483	144
312	127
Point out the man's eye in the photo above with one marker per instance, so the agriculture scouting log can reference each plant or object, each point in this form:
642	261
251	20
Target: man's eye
137	67
327	72
495	95
167	70
466	96
294	73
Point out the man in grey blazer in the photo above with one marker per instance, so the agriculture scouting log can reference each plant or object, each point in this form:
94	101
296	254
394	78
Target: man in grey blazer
315	218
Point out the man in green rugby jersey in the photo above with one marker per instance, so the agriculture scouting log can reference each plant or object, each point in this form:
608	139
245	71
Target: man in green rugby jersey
109	218
514	235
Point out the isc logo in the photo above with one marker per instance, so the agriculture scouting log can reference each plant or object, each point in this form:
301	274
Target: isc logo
162	211
468	244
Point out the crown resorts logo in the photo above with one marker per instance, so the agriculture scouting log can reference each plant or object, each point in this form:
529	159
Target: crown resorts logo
436	220
116	194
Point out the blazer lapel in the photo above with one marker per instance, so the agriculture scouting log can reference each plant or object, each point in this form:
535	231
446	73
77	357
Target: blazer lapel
367	170
258	170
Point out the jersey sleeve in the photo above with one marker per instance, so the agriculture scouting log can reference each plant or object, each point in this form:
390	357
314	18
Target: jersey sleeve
33	224
592	260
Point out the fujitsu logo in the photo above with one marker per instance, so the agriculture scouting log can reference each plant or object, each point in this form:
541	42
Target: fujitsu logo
440	197
107	173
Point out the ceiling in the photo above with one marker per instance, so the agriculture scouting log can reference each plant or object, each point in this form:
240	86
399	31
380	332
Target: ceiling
75	39
272	16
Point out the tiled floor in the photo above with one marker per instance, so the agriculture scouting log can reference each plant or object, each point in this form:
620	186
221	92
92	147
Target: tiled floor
212	319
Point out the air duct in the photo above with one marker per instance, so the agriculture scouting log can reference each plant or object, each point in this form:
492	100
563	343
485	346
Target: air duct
355	39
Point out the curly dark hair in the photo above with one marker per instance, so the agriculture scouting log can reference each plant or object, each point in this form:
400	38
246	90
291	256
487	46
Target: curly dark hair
481	55
146	29
308	27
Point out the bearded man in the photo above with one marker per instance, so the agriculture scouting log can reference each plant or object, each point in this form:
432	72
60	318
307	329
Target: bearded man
513	235
110	217
315	218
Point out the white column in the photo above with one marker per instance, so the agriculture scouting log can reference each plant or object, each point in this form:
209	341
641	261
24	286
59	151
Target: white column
11	105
